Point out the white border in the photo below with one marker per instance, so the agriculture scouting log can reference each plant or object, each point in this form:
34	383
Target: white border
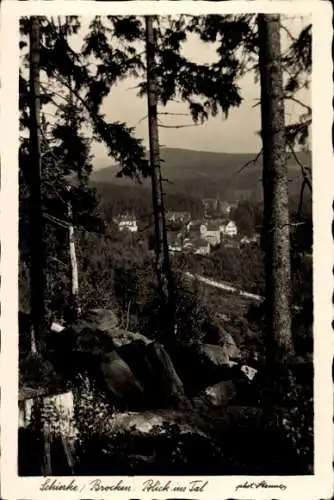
308	487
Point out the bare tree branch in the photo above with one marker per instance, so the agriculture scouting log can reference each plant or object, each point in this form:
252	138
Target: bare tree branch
178	126
142	119
304	169
250	162
288	32
133	88
294	99
172	114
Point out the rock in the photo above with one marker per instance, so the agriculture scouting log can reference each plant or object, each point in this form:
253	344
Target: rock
126	365
104	324
56	327
92	352
152	365
220	394
144	423
118	378
226	340
124	337
202	365
216	355
166	379
104	319
248	371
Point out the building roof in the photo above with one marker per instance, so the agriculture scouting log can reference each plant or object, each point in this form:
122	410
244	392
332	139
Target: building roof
197	222
178	214
230	222
213	226
221	220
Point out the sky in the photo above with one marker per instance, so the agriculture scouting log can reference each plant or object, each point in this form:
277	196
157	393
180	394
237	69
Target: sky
236	134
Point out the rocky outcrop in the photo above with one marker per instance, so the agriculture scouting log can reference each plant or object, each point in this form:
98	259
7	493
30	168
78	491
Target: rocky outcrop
147	422
154	368
133	371
216	355
105	325
227	341
220	394
118	378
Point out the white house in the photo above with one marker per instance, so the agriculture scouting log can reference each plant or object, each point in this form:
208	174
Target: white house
211	233
229	228
128	223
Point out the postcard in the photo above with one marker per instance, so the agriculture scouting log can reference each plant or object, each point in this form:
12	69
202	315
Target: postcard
166	250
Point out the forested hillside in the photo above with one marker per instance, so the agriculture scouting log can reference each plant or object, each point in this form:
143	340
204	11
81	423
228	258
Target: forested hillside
205	174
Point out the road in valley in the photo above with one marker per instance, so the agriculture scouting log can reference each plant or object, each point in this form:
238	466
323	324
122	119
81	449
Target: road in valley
229	288
223	286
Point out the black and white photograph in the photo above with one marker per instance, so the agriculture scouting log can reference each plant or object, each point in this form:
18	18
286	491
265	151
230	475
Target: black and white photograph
166	241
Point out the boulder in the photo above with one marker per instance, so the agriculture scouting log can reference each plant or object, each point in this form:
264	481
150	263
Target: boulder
216	355
153	366
166	380
104	318
147	422
202	365
118	379
105	325
220	394
226	340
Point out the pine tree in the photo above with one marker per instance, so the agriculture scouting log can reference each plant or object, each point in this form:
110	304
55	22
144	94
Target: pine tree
37	250
259	50
275	190
167	75
75	97
163	267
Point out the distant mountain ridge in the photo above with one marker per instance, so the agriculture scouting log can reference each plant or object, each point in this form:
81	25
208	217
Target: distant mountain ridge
207	174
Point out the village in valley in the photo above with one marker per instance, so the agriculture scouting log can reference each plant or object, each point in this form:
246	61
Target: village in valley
198	236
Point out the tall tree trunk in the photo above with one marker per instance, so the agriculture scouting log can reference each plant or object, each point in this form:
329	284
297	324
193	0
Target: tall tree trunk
37	264
74	274
163	267
275	190
37	245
